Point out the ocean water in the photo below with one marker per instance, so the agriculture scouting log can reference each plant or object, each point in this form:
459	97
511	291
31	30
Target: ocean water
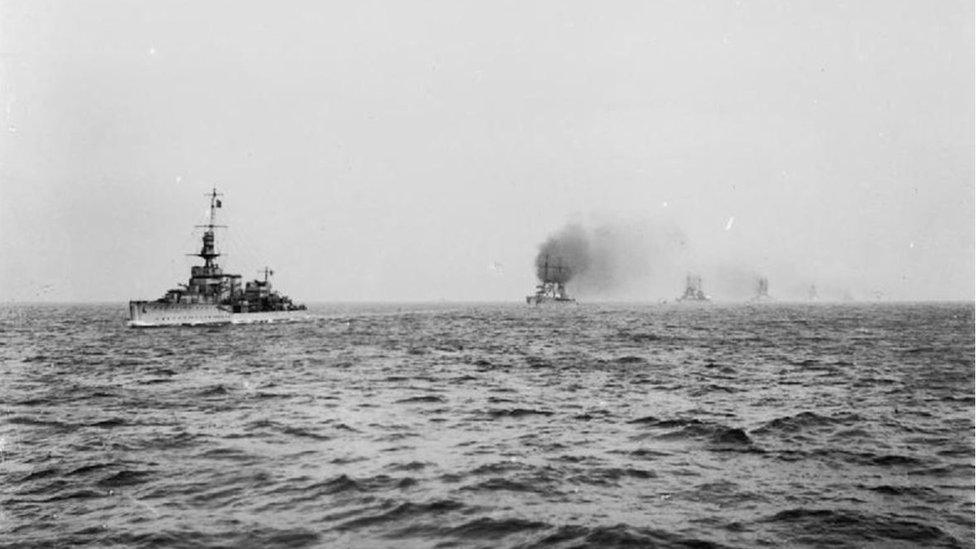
492	426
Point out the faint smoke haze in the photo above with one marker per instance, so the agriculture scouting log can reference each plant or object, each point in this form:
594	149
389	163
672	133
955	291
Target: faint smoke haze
730	281
619	257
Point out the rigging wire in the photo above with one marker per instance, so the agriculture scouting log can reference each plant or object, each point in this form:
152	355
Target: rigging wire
237	244
233	242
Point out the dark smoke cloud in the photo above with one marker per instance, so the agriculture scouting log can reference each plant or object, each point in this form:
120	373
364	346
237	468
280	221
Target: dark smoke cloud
615	259
564	255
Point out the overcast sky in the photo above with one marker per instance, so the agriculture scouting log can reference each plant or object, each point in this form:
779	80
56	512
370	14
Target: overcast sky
424	150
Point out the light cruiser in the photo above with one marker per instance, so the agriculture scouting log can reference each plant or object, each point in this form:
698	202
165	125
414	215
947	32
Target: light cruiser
214	297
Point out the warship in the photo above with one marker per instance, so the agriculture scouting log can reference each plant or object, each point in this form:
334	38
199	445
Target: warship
693	289
762	290
214	297
552	286
812	294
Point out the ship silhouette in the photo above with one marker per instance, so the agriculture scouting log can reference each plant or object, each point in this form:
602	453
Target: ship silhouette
552	287
693	289
762	290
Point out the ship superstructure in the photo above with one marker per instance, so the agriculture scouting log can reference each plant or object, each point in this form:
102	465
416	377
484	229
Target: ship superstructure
693	289
552	284
214	297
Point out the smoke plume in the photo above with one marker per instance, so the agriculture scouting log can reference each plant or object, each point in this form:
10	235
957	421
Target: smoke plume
613	259
563	255
649	259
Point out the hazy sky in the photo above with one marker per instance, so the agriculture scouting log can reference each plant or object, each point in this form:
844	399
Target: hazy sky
424	150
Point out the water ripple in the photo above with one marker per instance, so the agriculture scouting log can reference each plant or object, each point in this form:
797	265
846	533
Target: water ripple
492	426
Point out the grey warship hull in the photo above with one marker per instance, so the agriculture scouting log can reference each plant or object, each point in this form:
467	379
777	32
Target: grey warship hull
547	300
151	314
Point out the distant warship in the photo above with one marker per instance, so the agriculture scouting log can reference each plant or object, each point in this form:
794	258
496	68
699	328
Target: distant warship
762	290
693	289
214	297
552	288
812	294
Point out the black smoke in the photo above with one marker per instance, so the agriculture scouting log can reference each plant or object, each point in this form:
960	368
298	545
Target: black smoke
563	255
613	259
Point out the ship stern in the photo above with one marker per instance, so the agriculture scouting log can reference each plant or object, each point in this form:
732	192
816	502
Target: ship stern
136	311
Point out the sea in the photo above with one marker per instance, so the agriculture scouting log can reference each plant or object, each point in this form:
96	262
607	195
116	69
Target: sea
492	425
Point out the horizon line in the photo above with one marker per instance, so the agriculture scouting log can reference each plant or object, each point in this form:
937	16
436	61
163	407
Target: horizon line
662	301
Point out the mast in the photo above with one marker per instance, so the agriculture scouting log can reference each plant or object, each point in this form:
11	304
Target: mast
213	206
559	290
209	252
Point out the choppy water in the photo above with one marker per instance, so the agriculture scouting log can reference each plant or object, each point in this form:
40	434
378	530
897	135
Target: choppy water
492	426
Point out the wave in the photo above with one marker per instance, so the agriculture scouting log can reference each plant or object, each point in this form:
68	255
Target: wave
125	477
270	395
493	529
518	412
410	466
870	459
421	399
803	421
40	474
717	436
155	381
712	388
214	390
619	535
827	525
504	484
84	493
403	511
303	433
85	469
498	467
34	402
39	422
304	489
640	337
233	537
593	414
485	528
108	423
612	475
920	493
647	453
